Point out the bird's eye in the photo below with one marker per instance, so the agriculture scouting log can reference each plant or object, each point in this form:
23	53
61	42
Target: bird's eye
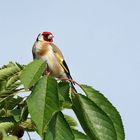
47	37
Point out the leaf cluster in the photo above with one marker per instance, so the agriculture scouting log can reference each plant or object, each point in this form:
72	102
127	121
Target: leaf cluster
42	110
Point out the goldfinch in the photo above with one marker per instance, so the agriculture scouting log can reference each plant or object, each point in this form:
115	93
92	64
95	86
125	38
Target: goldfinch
45	49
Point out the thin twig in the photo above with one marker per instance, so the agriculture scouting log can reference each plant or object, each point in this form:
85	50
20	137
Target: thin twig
21	90
29	135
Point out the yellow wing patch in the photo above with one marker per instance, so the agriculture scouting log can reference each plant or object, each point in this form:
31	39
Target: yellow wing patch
61	62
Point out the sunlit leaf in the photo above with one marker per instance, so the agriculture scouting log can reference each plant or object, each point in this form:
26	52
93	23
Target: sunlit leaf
12	80
3	100
43	102
6	126
14	86
107	107
10	103
9	86
71	121
2	85
28	125
10	138
31	73
24	113
59	129
64	95
80	136
10	64
93	120
8	72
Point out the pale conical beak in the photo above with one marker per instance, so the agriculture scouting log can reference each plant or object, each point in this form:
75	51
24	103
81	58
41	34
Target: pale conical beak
50	37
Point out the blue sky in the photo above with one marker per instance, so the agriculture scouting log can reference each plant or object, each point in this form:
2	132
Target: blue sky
99	39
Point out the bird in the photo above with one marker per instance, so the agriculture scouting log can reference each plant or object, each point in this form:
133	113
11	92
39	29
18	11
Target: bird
44	48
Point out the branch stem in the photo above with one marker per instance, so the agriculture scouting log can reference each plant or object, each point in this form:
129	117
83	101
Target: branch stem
29	135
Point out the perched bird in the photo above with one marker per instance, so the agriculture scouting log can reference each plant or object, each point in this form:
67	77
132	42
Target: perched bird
45	49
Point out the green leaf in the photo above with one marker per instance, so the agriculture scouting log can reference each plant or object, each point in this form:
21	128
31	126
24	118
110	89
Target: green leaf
9	87
16	114
7	119
2	112
107	107
59	129
12	80
10	64
10	138
8	72
14	86
64	95
10	90
43	102
28	125
6	126
80	136
24	113
20	66
12	102
72	122
31	73
93	120
4	101
2	86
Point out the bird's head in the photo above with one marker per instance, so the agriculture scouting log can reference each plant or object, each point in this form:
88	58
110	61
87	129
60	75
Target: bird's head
45	36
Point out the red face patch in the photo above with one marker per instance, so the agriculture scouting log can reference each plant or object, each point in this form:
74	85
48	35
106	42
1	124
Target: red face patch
46	36
48	33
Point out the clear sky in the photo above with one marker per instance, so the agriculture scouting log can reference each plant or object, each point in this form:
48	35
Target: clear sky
99	39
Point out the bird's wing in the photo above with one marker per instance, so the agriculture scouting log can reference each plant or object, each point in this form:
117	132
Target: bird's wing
63	63
61	60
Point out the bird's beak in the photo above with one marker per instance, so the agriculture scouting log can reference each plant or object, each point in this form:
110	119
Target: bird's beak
50	37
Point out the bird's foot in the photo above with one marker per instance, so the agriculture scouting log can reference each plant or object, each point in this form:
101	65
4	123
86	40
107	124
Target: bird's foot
47	72
69	79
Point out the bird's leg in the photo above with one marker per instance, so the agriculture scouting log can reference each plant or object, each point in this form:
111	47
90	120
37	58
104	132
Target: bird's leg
47	72
73	90
70	80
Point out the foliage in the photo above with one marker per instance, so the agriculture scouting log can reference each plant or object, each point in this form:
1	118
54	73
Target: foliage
42	110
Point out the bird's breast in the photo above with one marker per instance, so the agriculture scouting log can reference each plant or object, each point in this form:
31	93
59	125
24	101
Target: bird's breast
53	64
42	48
45	52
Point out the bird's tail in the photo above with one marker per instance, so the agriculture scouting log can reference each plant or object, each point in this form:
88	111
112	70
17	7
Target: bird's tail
73	89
